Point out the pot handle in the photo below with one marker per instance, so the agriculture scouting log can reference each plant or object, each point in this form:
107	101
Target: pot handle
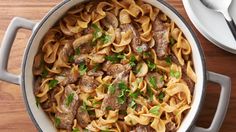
222	107
6	45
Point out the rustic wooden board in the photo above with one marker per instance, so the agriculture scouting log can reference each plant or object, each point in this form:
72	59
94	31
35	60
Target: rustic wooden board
13	114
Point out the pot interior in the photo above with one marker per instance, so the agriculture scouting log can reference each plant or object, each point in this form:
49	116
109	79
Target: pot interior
43	122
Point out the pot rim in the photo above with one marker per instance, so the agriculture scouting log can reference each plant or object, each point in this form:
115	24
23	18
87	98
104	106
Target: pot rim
58	6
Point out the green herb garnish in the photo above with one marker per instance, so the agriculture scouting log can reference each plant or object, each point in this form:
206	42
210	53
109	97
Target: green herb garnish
135	94
77	51
75	130
161	79
150	93
115	58
172	41
140	50
175	74
84	106
105	38
155	110
111	89
44	73
52	83
132	61
69	99
82	69
98	32
161	95
151	65
57	121
168	60
96	103
152	81
124	89
147	54
109	108
71	58
133	104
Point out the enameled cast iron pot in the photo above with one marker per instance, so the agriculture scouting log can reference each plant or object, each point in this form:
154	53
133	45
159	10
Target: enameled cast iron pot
26	79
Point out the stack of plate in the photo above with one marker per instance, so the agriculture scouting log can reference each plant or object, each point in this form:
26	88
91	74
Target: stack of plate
212	24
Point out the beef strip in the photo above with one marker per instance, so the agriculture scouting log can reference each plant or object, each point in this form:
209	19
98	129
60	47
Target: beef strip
68	111
158	79
83	117
71	76
88	83
136	43
160	35
111	99
115	69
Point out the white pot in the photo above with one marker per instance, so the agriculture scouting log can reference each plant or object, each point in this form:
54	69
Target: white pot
26	78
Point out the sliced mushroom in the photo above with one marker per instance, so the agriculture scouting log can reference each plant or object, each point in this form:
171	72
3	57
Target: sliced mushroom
106	65
82	40
170	127
142	69
88	84
71	76
142	128
66	51
110	20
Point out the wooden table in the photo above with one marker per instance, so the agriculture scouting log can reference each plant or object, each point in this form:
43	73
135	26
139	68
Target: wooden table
13	114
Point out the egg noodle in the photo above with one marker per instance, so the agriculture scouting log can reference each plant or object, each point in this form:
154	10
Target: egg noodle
119	65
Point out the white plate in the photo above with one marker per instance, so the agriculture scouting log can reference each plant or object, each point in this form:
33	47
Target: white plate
212	24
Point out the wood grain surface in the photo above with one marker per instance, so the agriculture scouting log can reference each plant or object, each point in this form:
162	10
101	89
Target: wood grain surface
13	114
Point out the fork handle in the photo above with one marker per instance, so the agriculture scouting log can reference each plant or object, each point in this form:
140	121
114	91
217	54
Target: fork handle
232	27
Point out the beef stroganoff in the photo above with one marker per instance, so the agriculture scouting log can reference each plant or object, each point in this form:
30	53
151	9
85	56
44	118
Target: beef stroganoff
119	65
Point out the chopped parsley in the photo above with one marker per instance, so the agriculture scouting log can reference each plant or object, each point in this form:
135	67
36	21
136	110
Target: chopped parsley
82	69
161	95
109	108
97	67
111	89
147	54
84	107
105	38
133	104
52	83
155	110
97	103
135	94
152	81
69	99
140	50
175	74
37	102
115	58
124	89
151	65
98	32
57	121
168	60
150	93
44	73
161	79
172	41
75	130
77	51
71	58
132	61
